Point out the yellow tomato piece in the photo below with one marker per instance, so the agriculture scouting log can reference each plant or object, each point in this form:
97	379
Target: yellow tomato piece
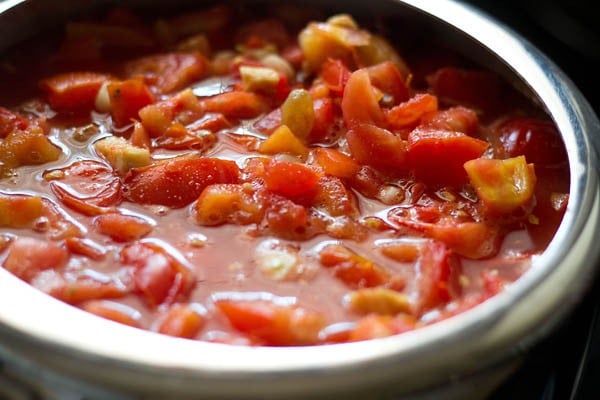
297	112
502	185
282	140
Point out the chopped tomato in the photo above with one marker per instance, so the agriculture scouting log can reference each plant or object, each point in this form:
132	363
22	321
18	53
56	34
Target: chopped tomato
379	326
336	75
126	100
502	185
122	228
89	181
182	320
169	72
437	272
10	122
359	103
73	91
20	211
283	141
410	113
85	247
475	88
114	311
177	182
438	156
387	77
336	163
334	198
272	323
30	147
183	108
158	276
228	203
538	140
377	147
457	119
28	256
292	180
268	123
286	219
75	289
236	104
324	119
351	268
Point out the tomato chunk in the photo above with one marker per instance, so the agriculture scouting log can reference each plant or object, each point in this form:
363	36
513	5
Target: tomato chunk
359	103
437	272
114	311
182	320
10	122
438	156
28	256
126	99
73	91
292	180
272	323
380	148
502	185
228	203
236	104
335	163
122	228
353	269
177	182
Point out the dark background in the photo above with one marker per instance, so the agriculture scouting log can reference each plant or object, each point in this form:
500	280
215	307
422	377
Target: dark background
565	366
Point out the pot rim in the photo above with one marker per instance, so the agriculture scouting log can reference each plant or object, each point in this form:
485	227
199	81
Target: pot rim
513	319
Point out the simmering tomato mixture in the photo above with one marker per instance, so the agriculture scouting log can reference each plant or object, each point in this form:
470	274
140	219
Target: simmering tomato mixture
268	180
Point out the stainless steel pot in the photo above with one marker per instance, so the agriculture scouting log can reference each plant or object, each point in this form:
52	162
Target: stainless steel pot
59	347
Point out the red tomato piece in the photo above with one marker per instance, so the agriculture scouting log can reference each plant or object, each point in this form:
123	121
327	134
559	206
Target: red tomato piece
126	100
272	323
77	289
89	181
182	320
387	77
183	108
85	247
437	272
335	75
286	219
377	147
378	326
236	104
410	113
295	181
73	91
334	198
359	103
28	256
353	269
114	311
10	122
177	182
228	203
268	123
438	157
538	140
122	228
476	88
457	119
335	163
169	72
324	119
158	276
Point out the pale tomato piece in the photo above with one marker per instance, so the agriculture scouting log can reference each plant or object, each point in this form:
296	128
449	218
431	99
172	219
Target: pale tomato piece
28	256
502	185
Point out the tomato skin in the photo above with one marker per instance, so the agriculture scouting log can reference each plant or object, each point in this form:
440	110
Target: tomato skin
295	181
271	323
437	274
387	77
168	72
335	163
438	157
474	88
335	74
158	276
122	228
236	104
538	140
177	182
10	122
28	256
182	320
457	119
409	113
380	148
126	100
89	181
114	311
359	103
74	91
